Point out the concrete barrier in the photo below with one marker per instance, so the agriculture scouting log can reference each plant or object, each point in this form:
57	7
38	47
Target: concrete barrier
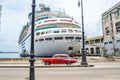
17	59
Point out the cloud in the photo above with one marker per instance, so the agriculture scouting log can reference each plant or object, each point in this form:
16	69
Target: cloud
14	16
93	29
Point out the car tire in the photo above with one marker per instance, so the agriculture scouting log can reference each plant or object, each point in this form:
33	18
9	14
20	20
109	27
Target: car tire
68	63
47	63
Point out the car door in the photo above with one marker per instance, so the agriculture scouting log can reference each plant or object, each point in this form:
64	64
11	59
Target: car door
58	60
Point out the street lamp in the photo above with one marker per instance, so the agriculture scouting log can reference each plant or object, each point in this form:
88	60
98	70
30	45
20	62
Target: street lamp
84	61
32	60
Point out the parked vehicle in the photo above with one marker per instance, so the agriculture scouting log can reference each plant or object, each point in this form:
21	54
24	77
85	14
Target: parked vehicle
59	59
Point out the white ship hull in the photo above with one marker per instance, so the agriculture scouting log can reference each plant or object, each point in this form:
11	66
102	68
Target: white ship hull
48	48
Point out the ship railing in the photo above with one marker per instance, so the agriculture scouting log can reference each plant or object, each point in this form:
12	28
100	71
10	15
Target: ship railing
56	20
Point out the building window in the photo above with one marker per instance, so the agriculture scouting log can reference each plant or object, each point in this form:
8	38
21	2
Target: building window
116	13
97	41
117	27
107	30
86	42
101	40
117	50
91	41
118	41
87	50
92	50
106	43
98	50
106	19
110	42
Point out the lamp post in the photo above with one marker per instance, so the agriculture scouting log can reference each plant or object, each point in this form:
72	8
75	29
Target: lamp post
84	61
32	60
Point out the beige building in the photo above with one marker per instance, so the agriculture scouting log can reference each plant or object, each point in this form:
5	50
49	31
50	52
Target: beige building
94	46
111	30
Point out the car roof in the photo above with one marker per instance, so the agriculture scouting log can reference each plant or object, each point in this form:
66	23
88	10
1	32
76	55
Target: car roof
60	54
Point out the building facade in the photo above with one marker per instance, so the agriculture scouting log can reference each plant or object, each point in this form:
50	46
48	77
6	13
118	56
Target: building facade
111	30
94	46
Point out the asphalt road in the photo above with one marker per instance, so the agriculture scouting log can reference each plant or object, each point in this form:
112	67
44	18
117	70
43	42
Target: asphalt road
100	71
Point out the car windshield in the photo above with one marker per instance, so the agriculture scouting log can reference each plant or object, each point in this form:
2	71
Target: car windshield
60	56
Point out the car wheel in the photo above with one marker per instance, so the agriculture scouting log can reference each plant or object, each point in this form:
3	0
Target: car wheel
47	63
68	63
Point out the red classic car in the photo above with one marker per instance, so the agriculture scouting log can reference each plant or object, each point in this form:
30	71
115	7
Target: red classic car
59	59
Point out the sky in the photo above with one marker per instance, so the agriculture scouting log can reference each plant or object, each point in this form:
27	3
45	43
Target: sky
15	16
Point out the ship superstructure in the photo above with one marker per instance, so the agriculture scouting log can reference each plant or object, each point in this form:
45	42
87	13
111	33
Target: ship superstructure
55	32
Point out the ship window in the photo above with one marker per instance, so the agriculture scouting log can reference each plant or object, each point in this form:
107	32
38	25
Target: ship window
79	30
42	33
48	38
70	30
38	33
76	31
70	48
63	31
58	38
56	31
78	38
48	32
69	37
41	18
36	40
41	39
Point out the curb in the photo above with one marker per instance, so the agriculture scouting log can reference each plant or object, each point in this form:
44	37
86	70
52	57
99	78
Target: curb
46	66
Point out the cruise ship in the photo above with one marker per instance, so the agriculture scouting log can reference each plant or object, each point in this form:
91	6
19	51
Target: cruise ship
55	32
